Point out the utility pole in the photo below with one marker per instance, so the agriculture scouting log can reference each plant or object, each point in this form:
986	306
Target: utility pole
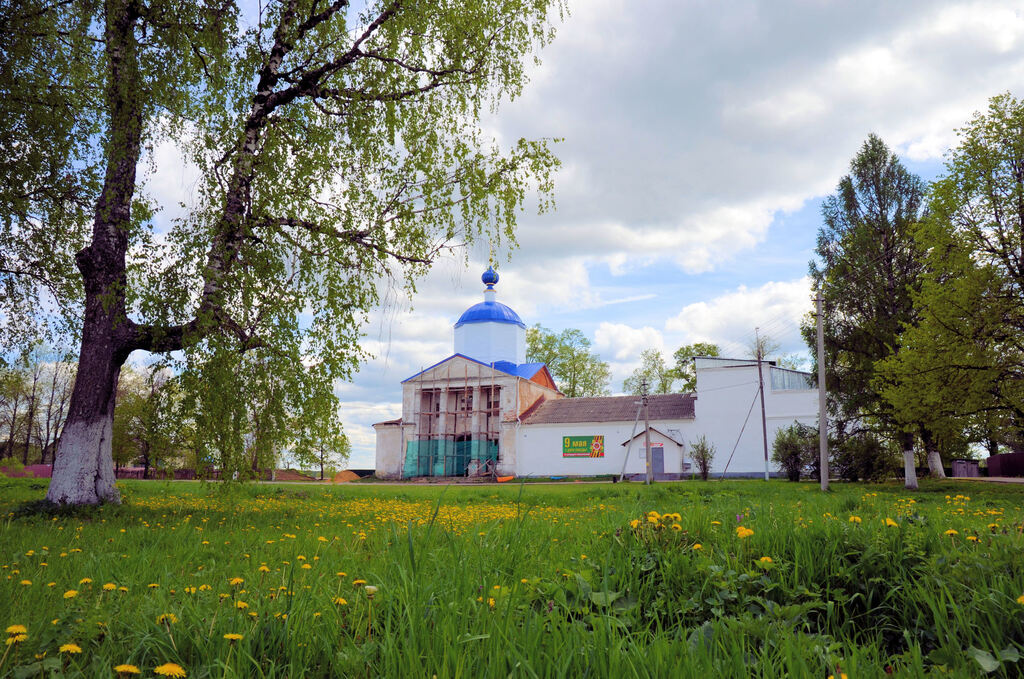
760	387
647	432
822	412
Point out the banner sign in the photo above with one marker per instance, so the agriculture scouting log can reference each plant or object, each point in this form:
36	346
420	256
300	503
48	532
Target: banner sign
583	446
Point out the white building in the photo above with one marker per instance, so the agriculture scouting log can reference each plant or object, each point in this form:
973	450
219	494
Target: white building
484	408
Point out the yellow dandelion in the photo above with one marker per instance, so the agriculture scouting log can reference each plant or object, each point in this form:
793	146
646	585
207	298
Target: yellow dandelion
306	567
126	670
71	594
85	581
855	519
341	574
765	559
653	519
972	538
241	605
263	569
233	637
742	532
634	523
109	587
25	583
17	629
951	532
70	648
676	527
890	523
153	585
339	601
16	639
716	523
170	670
358	583
1020	599
697	546
234	582
168	618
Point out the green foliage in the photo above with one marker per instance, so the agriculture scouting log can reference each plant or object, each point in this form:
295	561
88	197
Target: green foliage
868	269
864	457
653	370
795	451
576	370
962	358
702	452
684	368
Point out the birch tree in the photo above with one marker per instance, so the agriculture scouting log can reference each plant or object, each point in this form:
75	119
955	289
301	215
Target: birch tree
338	147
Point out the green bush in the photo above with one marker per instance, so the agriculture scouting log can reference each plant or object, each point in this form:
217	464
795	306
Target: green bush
795	451
702	452
866	457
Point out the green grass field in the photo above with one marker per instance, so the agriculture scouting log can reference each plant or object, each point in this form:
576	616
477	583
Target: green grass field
575	580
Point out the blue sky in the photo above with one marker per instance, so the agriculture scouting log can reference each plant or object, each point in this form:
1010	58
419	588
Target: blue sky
699	139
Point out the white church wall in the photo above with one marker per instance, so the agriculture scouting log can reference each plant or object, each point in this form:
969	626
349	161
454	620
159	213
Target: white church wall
540	446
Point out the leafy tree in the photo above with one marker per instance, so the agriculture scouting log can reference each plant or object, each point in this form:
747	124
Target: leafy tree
795	451
148	428
763	345
702	452
337	146
868	269
576	370
964	358
653	369
684	368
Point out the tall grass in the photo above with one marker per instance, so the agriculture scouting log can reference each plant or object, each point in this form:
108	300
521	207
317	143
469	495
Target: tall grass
528	581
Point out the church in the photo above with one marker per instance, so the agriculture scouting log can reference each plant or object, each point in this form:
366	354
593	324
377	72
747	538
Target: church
486	410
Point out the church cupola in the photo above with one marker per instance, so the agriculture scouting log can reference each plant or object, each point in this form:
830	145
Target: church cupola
490	331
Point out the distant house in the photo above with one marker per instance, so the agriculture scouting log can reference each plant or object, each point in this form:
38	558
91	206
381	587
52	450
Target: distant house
485	409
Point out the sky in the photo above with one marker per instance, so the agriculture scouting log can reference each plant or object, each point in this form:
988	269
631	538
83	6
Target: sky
698	140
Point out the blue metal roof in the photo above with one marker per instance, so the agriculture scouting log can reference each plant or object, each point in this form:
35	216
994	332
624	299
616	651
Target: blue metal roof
490	312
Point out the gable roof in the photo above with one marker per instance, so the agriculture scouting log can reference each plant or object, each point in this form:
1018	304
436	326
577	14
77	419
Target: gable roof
640	434
609	409
526	371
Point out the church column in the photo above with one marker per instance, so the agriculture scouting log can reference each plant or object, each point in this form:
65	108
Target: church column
475	416
442	433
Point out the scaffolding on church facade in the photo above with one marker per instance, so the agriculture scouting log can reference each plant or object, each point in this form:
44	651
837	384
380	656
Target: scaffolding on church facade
457	427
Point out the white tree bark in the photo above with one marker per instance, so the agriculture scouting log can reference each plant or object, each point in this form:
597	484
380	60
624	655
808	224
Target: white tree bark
935	465
83	472
910	465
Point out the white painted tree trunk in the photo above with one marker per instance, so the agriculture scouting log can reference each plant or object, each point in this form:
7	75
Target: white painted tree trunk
935	465
909	462
83	472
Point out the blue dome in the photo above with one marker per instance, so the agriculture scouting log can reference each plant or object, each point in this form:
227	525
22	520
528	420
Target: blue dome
490	277
490	312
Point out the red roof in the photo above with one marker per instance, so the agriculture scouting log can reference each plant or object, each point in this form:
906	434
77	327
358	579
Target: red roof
609	409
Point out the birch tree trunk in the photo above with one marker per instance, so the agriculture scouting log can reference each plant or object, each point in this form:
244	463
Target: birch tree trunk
83	472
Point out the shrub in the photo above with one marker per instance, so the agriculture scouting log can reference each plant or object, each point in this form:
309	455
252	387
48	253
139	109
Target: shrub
795	451
864	456
702	452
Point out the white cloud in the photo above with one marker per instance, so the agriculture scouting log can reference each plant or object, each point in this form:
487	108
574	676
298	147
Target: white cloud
776	308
